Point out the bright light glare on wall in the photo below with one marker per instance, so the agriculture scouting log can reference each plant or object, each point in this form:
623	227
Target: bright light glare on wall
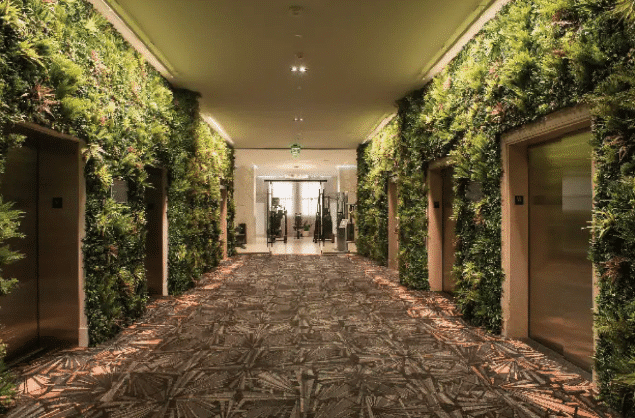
217	127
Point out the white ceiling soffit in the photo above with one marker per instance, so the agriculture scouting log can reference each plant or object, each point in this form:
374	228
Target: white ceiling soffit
361	58
279	162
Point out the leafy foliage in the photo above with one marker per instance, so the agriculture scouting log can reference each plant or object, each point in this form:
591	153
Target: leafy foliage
375	162
63	66
535	57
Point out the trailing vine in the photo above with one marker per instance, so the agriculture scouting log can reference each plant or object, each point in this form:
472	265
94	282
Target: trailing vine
533	58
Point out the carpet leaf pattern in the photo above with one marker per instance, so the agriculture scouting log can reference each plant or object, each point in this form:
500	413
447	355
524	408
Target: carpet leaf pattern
303	337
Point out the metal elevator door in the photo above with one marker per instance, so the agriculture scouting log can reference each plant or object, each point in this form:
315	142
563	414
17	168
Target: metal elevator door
19	309
560	274
449	225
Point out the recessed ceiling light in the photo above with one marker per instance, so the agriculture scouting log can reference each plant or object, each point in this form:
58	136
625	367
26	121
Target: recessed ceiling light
294	69
302	69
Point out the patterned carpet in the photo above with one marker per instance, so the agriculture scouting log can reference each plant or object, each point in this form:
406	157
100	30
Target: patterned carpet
302	336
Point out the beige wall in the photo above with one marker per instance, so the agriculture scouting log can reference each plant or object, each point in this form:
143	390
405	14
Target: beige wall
244	198
435	229
348	182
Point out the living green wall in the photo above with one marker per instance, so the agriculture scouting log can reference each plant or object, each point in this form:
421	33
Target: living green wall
63	66
375	163
535	57
201	164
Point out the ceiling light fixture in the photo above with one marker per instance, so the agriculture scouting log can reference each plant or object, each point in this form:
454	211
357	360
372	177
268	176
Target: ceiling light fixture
295	150
299	69
299	66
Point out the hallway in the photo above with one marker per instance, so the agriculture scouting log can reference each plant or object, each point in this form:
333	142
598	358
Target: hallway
302	246
302	336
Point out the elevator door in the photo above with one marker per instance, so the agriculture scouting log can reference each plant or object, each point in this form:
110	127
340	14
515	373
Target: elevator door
155	217
449	226
560	275
19	309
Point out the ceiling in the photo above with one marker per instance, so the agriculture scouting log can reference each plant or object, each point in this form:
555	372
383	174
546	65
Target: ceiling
361	56
280	163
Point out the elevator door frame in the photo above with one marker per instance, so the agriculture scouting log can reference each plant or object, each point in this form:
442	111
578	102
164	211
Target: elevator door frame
223	220
156	263
435	223
45	138
393	225
515	211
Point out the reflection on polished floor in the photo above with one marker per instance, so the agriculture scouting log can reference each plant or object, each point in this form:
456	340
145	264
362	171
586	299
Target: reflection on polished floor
301	246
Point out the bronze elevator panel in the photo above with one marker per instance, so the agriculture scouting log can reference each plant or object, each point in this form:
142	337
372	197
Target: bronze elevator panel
155	207
42	178
449	226
560	274
19	309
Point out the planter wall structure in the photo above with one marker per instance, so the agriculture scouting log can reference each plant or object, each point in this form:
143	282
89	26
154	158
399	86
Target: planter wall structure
65	68
533	59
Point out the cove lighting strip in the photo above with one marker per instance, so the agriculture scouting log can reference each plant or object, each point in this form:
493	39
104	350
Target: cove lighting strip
132	33
484	12
385	121
218	128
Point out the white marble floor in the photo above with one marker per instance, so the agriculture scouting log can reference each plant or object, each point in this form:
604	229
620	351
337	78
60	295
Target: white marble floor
304	245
